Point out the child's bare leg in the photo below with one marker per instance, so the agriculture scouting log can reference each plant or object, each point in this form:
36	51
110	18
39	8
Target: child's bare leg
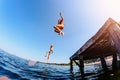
48	55
57	28
58	25
57	31
62	33
51	51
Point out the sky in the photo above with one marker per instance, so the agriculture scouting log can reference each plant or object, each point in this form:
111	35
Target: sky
26	26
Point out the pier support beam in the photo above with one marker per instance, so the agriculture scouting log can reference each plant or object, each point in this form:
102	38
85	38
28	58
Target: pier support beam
71	65
114	62
77	63
104	65
81	61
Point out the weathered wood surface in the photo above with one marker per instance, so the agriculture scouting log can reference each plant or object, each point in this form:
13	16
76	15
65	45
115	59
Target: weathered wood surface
115	36
105	28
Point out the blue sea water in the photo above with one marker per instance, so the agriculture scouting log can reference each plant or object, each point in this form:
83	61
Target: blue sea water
17	68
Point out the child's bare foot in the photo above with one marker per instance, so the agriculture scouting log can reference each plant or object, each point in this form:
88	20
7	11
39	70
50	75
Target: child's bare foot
62	33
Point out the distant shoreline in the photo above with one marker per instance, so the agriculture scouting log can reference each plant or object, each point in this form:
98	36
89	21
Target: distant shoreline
68	64
62	64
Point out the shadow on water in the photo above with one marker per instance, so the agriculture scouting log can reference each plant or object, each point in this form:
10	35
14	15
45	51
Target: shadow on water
110	75
101	75
98	75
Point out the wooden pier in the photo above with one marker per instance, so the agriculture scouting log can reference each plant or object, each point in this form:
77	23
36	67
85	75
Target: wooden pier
106	42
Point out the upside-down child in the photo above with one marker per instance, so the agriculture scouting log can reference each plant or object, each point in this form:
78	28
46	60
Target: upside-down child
60	26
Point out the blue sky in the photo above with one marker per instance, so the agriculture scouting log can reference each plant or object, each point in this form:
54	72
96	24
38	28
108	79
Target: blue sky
26	26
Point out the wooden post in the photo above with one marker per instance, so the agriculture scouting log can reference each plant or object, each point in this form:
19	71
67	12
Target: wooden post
114	62
71	65
104	65
77	63
81	61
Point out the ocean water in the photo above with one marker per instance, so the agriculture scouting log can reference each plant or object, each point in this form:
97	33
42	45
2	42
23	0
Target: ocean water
16	68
